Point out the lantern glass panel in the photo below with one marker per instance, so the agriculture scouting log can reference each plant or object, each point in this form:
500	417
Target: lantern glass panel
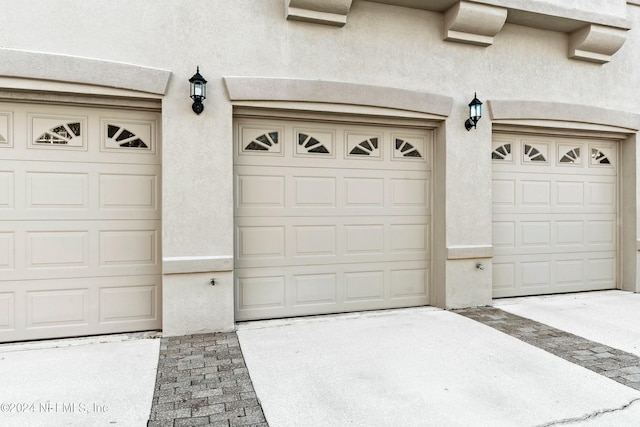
197	89
475	110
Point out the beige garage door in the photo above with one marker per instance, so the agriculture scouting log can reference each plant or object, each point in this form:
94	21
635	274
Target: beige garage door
554	215
79	221
330	218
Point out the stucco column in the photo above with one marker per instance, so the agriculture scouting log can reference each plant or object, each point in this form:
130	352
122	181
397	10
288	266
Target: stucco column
462	224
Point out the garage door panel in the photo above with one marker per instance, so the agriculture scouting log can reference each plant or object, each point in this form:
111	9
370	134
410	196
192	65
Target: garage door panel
364	239
57	249
535	273
535	234
322	191
57	190
60	191
261	241
602	270
504	191
302	290
364	192
260	190
553	194
555	234
315	240
128	247
571	194
125	192
336	218
409	283
283	241
314	191
315	289
364	286
601	194
79	306
570	272
410	192
313	146
535	193
407	238
570	233
261	292
532	273
128	303
38	250
57	307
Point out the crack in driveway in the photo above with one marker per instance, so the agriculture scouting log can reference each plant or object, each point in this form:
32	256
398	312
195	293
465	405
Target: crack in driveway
590	416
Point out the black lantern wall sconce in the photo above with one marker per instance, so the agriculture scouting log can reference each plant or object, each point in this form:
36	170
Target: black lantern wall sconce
475	113
198	91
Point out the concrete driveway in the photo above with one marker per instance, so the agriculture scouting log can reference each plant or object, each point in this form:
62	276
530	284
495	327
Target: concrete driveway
428	367
97	381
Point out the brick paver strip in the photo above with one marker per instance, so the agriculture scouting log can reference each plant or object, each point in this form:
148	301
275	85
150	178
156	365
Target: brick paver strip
202	380
616	364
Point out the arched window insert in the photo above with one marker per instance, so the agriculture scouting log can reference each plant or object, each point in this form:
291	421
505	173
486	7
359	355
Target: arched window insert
571	156
598	157
125	138
263	142
365	148
61	134
532	154
405	149
311	144
502	152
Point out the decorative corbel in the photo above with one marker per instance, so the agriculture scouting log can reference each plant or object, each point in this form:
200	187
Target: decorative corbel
473	23
329	12
596	43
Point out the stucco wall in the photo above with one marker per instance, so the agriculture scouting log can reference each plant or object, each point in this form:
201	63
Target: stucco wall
381	45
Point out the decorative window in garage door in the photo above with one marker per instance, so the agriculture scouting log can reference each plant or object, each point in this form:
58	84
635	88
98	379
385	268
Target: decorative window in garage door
61	134
599	158
122	137
317	143
405	149
311	144
570	156
264	142
502	152
367	147
535	153
128	135
57	132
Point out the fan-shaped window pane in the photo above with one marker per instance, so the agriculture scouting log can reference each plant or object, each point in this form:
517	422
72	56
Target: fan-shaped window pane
406	149
263	142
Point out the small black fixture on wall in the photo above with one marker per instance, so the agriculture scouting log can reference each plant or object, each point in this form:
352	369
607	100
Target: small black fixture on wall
475	113
198	91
